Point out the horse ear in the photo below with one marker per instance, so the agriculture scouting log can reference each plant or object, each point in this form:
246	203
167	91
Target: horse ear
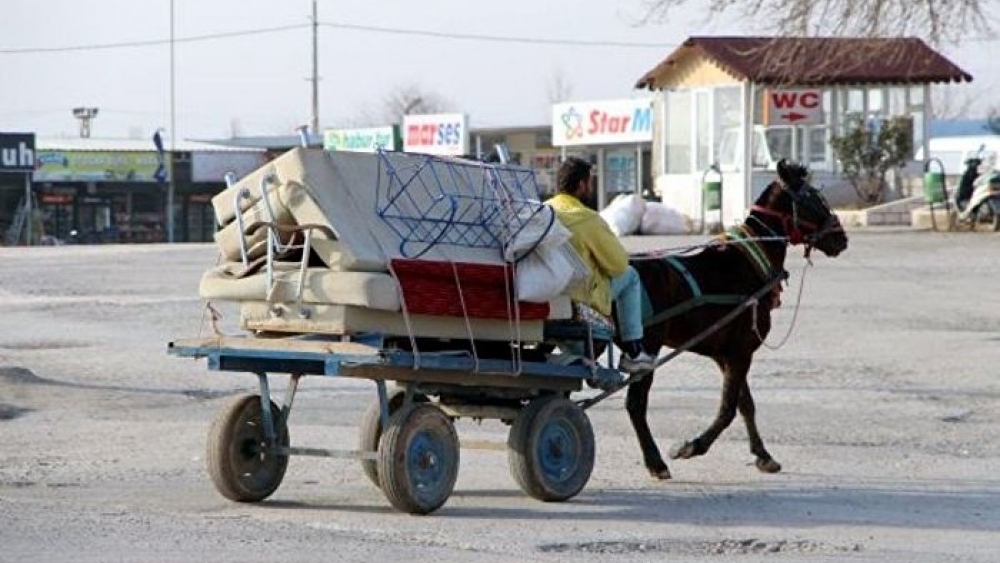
783	171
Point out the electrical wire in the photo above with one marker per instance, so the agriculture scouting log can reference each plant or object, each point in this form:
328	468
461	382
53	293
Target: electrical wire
366	28
336	25
496	38
151	42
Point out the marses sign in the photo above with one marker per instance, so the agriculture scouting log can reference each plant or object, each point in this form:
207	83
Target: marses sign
602	123
17	152
446	134
794	107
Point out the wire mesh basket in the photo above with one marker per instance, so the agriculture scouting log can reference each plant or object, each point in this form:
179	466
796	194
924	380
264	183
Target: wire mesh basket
429	201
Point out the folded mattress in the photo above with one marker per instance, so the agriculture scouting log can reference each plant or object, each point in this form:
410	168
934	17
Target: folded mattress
348	191
321	285
346	319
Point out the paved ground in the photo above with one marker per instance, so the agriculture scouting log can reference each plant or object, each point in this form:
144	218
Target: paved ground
884	408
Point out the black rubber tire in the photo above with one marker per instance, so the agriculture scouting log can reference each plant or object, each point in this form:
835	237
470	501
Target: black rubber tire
370	429
550	449
240	470
418	458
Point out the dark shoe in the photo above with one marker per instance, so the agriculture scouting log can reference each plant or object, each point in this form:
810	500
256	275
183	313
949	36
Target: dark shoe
638	364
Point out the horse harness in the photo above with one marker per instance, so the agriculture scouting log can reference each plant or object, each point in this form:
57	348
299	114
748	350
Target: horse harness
746	241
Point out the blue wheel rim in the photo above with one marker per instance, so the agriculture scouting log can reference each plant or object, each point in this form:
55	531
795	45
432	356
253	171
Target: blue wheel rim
557	451
427	461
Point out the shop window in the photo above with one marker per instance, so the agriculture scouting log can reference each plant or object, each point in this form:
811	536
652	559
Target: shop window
620	172
678	132
727	105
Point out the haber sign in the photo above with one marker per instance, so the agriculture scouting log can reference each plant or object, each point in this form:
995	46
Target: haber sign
446	134
602	123
794	107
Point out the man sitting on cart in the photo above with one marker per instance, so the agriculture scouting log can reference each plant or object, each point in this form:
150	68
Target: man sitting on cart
611	279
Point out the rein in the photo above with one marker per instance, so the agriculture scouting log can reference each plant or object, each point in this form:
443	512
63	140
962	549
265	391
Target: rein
750	301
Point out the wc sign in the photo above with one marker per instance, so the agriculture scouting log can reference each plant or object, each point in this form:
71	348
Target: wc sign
794	107
17	152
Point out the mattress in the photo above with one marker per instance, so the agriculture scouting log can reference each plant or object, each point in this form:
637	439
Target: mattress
347	189
346	319
228	237
322	285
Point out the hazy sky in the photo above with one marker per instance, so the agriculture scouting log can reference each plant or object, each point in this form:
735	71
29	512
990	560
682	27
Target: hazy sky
259	81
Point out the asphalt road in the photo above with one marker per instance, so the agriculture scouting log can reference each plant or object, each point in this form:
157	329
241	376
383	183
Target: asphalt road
883	407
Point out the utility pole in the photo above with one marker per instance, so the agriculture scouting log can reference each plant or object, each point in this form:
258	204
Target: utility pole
315	71
173	133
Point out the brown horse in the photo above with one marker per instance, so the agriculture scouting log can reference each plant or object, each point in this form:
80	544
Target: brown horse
690	294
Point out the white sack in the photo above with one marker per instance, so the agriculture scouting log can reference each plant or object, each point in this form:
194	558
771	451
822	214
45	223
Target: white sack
660	219
624	214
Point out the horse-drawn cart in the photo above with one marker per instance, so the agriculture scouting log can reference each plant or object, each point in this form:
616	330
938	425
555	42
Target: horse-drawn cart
418	279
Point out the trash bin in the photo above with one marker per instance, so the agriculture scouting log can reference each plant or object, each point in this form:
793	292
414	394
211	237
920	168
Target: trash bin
934	188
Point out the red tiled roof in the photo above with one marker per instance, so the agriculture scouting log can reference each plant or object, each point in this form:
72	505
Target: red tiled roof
818	61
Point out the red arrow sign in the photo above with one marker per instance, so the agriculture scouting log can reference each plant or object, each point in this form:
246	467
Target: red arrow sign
792	116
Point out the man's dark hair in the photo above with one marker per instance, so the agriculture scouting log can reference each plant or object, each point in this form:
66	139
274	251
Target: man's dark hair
571	172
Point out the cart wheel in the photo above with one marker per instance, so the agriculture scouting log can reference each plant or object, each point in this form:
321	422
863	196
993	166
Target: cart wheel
418	458
370	429
551	449
239	464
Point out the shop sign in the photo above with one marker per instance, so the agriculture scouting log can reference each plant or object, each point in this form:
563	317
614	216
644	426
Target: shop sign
446	134
96	166
362	140
794	107
602	123
17	152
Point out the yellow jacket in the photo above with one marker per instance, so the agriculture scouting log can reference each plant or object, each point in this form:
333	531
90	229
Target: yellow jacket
597	245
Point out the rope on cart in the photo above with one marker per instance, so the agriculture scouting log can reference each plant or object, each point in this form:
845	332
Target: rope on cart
465	316
691	343
395	278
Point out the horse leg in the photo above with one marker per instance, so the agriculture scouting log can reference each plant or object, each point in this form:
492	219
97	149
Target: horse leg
748	411
636	403
734	373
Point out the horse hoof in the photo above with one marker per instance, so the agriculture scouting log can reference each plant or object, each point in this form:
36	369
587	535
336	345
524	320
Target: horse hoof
662	474
683	451
768	465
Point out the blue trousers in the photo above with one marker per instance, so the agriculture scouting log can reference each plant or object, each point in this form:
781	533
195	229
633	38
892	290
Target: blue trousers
625	293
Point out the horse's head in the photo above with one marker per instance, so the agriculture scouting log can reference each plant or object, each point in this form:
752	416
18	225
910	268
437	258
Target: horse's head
803	212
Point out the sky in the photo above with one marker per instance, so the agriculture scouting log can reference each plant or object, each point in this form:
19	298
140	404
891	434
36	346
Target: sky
253	80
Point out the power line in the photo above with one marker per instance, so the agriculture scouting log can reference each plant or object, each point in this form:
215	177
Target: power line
150	42
372	29
497	38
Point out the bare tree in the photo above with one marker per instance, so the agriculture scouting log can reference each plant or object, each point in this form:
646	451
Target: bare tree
937	21
951	102
559	88
405	100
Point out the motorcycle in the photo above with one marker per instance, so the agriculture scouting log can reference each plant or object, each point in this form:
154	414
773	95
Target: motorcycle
977	198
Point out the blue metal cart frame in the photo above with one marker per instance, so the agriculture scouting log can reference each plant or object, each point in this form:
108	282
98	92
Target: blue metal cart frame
408	444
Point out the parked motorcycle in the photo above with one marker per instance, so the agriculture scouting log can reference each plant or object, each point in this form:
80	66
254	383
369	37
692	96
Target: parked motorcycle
977	198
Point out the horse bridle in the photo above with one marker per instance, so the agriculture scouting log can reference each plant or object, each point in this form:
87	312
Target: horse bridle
797	229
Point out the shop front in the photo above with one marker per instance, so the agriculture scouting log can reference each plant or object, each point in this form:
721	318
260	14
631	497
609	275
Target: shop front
99	195
114	191
17	207
615	135
729	108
